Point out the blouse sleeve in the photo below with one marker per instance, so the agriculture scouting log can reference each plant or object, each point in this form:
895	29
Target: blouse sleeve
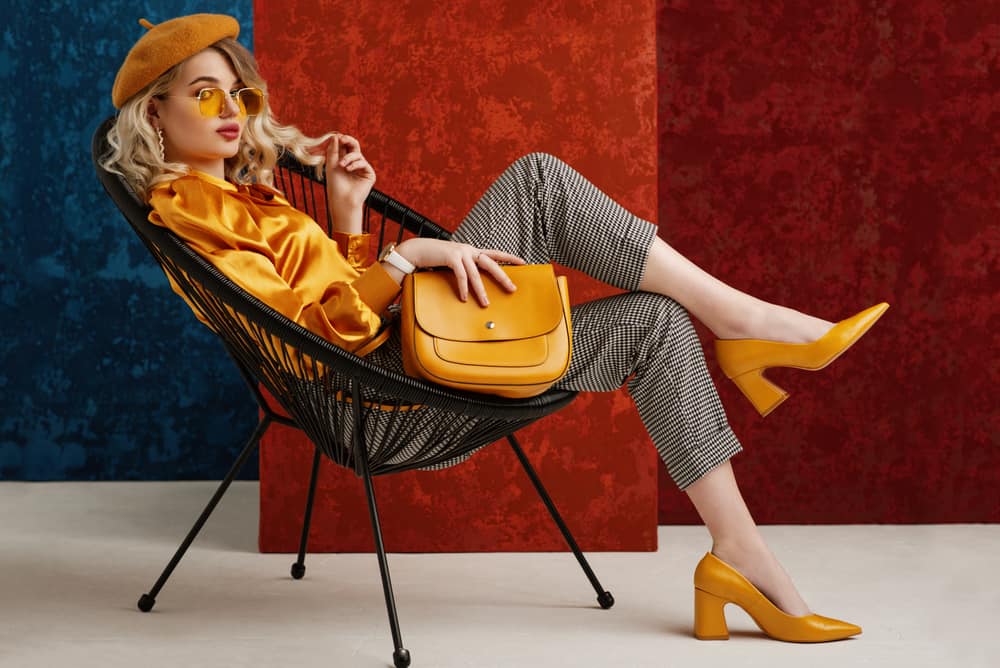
324	293
354	247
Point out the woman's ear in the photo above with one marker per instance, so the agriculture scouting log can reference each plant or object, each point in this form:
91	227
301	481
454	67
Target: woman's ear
152	112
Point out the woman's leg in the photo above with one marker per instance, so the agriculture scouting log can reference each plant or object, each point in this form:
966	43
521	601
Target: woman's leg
737	541
729	313
564	218
647	342
543	211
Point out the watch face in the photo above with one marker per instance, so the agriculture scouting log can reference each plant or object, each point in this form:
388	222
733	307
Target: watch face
388	248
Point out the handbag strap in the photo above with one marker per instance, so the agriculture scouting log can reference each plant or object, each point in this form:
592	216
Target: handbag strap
380	337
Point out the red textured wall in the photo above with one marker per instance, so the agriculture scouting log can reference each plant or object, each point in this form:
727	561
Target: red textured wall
827	156
443	96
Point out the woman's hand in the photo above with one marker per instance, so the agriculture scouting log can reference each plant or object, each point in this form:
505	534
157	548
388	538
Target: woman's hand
349	179
467	262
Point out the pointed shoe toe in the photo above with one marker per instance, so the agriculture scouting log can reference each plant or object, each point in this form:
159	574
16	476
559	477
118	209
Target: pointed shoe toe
744	360
809	628
833	629
716	584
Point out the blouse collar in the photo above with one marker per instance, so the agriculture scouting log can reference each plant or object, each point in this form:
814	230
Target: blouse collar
214	180
256	190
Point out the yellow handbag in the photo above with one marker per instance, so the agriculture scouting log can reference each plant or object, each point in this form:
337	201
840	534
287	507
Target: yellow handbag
516	347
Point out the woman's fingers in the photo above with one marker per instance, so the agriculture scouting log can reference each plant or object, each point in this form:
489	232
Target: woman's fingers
461	278
501	256
468	263
467	278
490	260
349	145
349	142
342	149
351	157
332	152
357	164
475	279
486	263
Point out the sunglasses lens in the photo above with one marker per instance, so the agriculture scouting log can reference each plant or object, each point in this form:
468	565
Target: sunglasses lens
252	101
210	101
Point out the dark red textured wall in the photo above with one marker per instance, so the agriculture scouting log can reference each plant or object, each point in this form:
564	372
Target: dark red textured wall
827	156
443	96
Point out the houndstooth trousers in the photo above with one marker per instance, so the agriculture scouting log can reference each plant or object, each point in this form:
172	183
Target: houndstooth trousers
542	210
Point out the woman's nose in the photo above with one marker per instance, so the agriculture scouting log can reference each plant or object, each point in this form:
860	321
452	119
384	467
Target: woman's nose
231	107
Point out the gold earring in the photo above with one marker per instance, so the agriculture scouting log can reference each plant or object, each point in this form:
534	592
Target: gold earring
159	135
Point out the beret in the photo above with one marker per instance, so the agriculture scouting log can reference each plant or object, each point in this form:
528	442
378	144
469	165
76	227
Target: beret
165	45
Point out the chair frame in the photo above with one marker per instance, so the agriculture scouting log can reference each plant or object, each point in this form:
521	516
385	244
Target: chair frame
299	184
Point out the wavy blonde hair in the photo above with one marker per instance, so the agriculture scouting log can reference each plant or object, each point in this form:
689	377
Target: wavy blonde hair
134	149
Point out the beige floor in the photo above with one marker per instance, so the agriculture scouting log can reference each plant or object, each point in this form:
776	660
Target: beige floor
75	556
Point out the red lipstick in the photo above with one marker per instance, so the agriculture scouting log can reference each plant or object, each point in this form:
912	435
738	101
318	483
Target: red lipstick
230	131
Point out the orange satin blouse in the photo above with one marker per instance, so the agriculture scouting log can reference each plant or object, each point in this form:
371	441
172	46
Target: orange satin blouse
279	254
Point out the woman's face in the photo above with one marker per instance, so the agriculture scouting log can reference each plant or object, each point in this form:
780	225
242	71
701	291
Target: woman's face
198	141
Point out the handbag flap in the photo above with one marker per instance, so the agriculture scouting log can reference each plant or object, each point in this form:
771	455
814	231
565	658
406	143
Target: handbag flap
534	309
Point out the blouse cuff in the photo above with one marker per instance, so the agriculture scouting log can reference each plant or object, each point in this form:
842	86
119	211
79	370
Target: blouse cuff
354	247
376	287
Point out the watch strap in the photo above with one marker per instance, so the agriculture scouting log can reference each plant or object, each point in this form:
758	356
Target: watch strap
390	255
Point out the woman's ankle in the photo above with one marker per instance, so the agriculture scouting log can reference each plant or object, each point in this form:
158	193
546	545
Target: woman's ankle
741	549
791	326
748	324
772	322
755	561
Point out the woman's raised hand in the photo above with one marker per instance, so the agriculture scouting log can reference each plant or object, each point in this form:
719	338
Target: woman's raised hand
467	262
349	176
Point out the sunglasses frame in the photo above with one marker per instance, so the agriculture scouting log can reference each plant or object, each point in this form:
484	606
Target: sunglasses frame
220	100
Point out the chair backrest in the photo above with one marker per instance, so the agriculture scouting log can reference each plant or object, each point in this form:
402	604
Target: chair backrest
384	218
313	379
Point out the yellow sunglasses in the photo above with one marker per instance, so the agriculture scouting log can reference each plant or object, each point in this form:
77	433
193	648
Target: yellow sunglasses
211	101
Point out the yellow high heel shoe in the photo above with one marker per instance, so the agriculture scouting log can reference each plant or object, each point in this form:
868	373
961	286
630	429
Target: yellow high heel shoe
744	360
716	583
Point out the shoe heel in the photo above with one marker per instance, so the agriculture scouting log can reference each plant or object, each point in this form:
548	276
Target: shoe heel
762	393
709	619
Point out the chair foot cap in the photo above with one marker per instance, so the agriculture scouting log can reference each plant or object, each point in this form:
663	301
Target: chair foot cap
401	658
146	602
606	599
298	570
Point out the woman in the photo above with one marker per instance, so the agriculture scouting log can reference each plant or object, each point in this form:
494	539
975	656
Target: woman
195	136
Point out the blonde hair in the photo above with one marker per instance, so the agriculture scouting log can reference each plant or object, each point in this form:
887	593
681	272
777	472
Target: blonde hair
134	147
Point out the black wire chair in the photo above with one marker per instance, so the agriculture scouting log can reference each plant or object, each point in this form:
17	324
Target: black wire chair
331	394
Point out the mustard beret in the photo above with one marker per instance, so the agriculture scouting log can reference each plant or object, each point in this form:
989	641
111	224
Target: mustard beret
165	45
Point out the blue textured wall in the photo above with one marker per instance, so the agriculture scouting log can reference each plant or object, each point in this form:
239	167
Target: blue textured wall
105	374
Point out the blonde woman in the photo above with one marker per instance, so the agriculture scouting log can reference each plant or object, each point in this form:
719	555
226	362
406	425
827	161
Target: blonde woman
195	137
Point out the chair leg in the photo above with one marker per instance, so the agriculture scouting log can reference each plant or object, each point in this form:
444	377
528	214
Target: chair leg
299	567
604	597
400	655
148	600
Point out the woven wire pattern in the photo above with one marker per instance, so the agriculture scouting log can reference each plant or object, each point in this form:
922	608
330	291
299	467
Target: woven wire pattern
327	391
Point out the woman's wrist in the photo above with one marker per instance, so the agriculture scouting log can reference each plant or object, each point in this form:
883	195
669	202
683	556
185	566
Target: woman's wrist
408	252
347	218
394	272
395	269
